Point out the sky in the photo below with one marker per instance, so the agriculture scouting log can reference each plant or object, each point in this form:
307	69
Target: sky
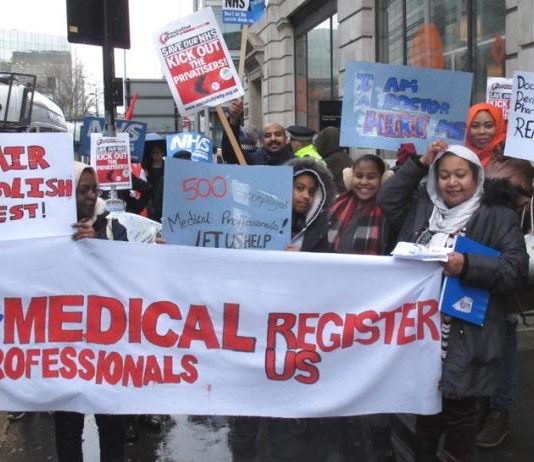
146	17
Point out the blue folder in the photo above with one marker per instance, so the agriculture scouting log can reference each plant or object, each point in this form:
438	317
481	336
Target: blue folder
460	300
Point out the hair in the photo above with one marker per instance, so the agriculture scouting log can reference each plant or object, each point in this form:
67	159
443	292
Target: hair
380	164
473	167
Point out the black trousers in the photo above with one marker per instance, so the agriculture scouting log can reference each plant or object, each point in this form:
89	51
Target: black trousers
458	421
69	429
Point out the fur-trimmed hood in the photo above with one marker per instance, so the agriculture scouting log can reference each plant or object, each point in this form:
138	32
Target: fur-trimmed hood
324	195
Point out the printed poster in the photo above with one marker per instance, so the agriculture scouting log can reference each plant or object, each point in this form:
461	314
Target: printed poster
242	11
386	105
110	157
196	63
227	206
37	192
198	144
520	134
498	93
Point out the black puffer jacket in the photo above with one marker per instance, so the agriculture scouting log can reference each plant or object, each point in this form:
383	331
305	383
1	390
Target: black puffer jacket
474	362
336	158
314	227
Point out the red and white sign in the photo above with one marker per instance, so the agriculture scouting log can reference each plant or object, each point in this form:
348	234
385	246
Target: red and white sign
215	331
37	197
110	157
196	62
499	93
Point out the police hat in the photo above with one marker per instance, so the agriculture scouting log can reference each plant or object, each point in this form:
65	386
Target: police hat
300	133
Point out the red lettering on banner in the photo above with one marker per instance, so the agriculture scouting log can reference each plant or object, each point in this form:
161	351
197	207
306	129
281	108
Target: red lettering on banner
95	307
57	317
273	328
152	371
191	373
50	359
406	323
31	360
35	158
362	327
134	320
133	370
289	365
335	339
86	358
231	340
305	361
304	329
18	328
424	318
198	316
150	322
68	370
389	319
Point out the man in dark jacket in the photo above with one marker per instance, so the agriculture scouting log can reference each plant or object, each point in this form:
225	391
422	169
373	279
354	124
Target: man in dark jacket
336	158
275	149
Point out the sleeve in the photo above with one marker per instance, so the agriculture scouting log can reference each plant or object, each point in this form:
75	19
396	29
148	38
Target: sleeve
508	271
397	194
228	152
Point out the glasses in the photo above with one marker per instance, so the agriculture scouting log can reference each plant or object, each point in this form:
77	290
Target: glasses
86	190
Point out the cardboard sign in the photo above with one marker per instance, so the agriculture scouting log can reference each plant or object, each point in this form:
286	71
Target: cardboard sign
385	106
242	11
37	191
196	63
215	331
227	206
520	134
498	93
198	144
136	130
110	157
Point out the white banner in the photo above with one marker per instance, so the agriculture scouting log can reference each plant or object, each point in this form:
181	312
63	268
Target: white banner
37	196
117	327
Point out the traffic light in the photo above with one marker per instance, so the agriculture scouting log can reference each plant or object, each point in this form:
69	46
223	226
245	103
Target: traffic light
85	22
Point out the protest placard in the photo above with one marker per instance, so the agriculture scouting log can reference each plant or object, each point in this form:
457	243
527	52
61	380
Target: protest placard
196	62
136	130
498	93
110	157
37	192
242	11
228	206
198	144
520	134
386	105
215	331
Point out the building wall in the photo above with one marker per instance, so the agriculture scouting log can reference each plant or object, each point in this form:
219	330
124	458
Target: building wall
519	36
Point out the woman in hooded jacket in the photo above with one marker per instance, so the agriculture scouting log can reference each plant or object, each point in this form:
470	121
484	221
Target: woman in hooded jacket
69	425
452	204
313	193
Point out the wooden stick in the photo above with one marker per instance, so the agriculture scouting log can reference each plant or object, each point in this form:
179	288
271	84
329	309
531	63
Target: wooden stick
231	136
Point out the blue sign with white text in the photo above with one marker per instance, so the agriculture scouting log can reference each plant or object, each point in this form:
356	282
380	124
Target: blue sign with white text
136	130
386	105
199	145
227	206
242	11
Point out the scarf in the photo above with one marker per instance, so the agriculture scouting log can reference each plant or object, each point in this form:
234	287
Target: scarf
485	154
362	220
449	220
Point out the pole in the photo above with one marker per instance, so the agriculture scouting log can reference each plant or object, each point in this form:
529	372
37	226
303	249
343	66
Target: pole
108	60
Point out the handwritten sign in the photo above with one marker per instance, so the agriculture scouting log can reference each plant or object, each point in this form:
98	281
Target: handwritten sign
196	62
242	11
228	206
198	144
37	196
136	130
498	93
110	157
520	134
386	105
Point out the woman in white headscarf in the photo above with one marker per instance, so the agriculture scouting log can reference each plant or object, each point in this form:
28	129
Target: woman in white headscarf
452	203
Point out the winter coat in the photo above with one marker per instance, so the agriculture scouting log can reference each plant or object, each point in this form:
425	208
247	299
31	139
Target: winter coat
106	228
336	158
315	225
474	362
264	157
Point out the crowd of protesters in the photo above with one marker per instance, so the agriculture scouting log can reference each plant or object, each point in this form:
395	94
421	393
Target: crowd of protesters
360	206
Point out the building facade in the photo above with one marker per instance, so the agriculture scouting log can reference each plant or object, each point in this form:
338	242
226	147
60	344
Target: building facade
297	52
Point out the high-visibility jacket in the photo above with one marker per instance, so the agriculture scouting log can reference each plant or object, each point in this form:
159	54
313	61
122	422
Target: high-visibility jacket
309	151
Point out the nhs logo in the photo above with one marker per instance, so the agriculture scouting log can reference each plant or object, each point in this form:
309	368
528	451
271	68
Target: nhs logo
199	145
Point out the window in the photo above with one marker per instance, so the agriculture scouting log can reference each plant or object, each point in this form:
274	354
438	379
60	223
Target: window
462	35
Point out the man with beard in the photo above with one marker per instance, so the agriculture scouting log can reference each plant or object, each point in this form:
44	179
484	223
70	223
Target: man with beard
275	149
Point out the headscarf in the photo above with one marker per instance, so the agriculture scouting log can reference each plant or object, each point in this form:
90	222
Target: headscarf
500	131
450	220
79	168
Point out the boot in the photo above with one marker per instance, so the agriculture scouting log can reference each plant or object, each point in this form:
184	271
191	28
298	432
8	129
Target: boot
495	430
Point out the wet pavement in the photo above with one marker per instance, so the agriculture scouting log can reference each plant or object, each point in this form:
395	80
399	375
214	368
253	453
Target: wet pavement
205	439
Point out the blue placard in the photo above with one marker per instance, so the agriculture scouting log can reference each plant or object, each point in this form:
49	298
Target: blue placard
227	206
198	144
386	105
235	11
460	300
136	130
